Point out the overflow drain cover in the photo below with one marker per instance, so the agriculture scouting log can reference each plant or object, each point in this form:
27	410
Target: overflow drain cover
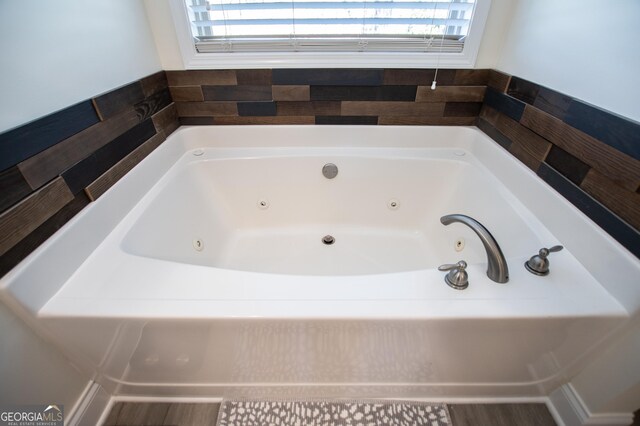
328	240
330	170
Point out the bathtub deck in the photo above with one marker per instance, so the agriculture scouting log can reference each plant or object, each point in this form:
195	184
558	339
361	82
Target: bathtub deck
137	414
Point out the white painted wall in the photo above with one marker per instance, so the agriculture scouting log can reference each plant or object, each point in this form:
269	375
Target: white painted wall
584	48
57	53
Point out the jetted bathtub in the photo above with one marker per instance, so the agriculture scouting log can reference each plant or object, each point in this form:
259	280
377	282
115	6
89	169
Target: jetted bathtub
205	271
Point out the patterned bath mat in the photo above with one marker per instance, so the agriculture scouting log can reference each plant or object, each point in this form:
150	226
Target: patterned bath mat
331	413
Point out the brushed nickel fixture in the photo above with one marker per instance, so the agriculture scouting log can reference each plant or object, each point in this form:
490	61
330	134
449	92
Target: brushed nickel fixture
497	269
457	277
539	264
330	170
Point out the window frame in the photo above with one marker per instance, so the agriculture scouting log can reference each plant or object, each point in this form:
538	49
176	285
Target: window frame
193	60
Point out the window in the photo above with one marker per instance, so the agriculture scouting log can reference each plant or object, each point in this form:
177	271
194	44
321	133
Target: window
329	33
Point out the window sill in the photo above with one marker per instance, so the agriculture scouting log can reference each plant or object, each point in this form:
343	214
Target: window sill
242	60
325	60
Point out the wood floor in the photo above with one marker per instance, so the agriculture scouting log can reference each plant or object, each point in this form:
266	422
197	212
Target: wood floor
157	414
500	415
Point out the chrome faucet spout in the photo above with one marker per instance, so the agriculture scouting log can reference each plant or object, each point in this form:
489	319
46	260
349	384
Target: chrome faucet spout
497	269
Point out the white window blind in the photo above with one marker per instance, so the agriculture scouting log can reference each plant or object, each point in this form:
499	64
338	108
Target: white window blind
329	25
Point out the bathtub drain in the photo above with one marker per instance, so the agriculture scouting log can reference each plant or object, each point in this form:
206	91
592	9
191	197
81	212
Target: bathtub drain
328	240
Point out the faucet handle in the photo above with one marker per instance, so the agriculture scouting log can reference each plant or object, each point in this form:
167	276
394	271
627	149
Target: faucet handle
449	266
544	252
457	277
539	264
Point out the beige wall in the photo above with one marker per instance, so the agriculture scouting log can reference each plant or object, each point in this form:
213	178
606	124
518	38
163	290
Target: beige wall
495	33
164	34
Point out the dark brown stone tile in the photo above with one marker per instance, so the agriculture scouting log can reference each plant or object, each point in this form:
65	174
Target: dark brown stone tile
26	141
622	169
166	120
23	218
187	93
621	201
32	241
264	120
624	233
571	167
393	108
450	94
99	186
118	100
472	77
493	133
536	146
524	156
41	168
365	120
311	108
498	81
254	77
523	90
201	77
462	109
13	188
237	93
552	102
363	93
426	121
153	104
207	109
489	114
616	131
408	77
196	121
259	109
445	77
418	77
291	93
505	104
154	83
328	77
87	170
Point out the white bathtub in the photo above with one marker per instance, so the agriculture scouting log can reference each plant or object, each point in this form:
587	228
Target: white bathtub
203	273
